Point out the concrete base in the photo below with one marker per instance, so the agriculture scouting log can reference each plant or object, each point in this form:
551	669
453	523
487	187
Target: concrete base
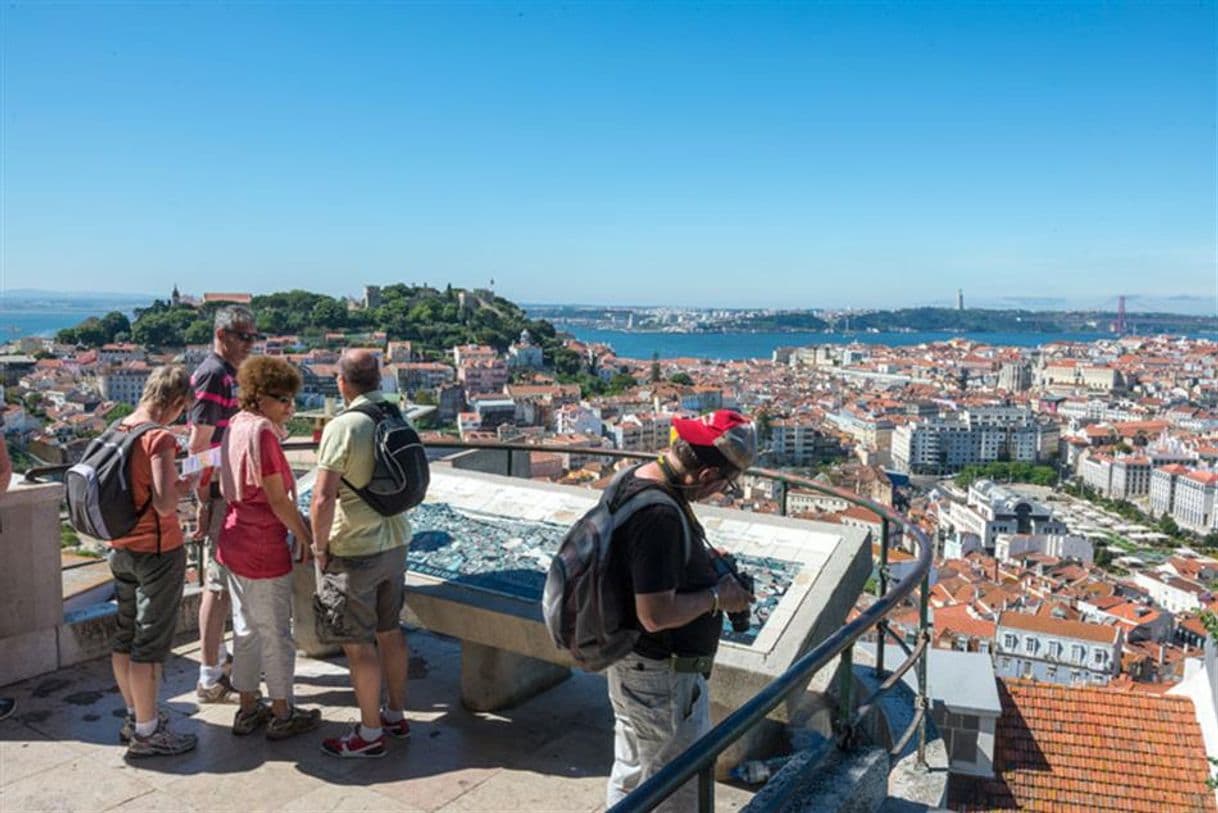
494	679
304	585
832	781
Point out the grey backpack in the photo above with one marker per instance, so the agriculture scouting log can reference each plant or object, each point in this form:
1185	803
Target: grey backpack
583	606
100	500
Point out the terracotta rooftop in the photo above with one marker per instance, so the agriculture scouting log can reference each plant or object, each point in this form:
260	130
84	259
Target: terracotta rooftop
1072	748
1048	625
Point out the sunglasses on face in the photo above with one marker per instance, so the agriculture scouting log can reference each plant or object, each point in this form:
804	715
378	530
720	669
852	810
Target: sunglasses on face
243	335
286	400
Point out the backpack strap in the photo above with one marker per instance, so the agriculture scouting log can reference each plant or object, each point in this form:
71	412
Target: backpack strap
377	411
130	438
647	498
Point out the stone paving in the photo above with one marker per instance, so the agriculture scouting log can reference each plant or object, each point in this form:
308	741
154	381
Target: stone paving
60	751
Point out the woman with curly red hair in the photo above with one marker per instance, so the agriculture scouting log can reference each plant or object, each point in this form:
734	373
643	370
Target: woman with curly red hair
258	484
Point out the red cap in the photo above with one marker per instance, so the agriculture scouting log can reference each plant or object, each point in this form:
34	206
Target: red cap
728	432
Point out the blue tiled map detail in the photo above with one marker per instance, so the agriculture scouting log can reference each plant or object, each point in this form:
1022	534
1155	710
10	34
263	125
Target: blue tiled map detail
511	557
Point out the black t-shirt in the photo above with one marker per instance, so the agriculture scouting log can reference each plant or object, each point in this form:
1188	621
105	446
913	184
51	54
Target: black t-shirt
215	385
649	554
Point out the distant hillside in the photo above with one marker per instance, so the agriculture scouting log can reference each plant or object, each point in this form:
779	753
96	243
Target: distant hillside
431	318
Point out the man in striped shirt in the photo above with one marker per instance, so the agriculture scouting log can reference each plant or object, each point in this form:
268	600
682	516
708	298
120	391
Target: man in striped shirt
215	384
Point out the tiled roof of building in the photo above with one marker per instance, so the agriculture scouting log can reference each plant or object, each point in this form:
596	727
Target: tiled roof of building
1074	748
1047	625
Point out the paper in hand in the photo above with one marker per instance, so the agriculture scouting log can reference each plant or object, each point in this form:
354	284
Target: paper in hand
208	458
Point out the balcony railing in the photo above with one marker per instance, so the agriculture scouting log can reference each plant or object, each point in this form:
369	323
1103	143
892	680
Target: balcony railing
699	759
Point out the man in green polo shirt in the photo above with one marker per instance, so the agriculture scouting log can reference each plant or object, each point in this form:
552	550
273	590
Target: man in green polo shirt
362	556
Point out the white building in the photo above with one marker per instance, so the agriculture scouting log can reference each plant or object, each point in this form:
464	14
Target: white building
579	419
524	354
1120	478
982	435
1163	488
124	383
1173	593
991	510
1194	500
1056	650
799	442
1064	546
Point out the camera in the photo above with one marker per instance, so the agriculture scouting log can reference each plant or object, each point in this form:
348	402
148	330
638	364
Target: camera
725	564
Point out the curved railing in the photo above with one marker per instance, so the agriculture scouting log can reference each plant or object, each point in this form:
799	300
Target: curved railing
699	759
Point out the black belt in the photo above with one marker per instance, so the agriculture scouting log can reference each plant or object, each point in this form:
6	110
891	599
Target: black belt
685	664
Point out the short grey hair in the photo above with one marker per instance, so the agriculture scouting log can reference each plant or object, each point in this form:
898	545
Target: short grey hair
230	316
361	370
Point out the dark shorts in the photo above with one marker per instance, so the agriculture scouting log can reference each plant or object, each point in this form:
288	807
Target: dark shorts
148	587
359	596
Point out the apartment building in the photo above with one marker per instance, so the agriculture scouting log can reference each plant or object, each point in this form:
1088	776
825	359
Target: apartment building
1194	500
124	383
1056	650
1163	482
800	442
642	431
483	375
415	376
578	419
1173	593
946	444
1119	478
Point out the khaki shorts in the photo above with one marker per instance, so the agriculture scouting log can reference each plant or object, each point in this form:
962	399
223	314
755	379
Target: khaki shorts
215	575
359	596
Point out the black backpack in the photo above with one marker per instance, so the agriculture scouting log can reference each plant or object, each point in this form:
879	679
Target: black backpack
400	473
583	607
100	500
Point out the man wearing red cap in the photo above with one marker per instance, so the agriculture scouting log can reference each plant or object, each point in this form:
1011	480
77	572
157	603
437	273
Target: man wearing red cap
658	692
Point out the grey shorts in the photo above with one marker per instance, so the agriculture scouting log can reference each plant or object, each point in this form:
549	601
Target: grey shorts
359	596
148	587
215	575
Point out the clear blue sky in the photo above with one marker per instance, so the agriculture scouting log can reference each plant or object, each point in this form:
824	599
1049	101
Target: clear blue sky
800	155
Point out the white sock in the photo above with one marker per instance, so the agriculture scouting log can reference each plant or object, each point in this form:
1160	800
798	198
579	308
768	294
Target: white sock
146	729
392	716
369	734
208	675
131	711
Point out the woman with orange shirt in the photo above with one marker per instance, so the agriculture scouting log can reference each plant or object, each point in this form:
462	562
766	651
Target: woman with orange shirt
149	567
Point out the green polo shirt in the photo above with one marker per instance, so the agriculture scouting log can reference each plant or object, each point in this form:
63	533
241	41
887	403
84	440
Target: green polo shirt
346	448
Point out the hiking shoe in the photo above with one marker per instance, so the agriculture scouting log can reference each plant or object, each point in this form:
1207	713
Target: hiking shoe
161	743
247	722
7	706
216	693
297	722
127	730
399	730
352	746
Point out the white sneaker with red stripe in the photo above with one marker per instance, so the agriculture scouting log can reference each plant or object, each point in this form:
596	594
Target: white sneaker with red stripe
352	746
399	730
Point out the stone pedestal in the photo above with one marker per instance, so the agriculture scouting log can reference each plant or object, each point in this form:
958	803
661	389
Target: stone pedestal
30	581
493	679
304	585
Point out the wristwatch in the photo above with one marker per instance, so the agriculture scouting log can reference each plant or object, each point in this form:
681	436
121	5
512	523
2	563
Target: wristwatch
714	600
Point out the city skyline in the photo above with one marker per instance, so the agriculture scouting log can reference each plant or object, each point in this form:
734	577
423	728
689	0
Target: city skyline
768	156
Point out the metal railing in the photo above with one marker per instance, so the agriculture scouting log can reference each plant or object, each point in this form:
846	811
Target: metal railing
698	761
